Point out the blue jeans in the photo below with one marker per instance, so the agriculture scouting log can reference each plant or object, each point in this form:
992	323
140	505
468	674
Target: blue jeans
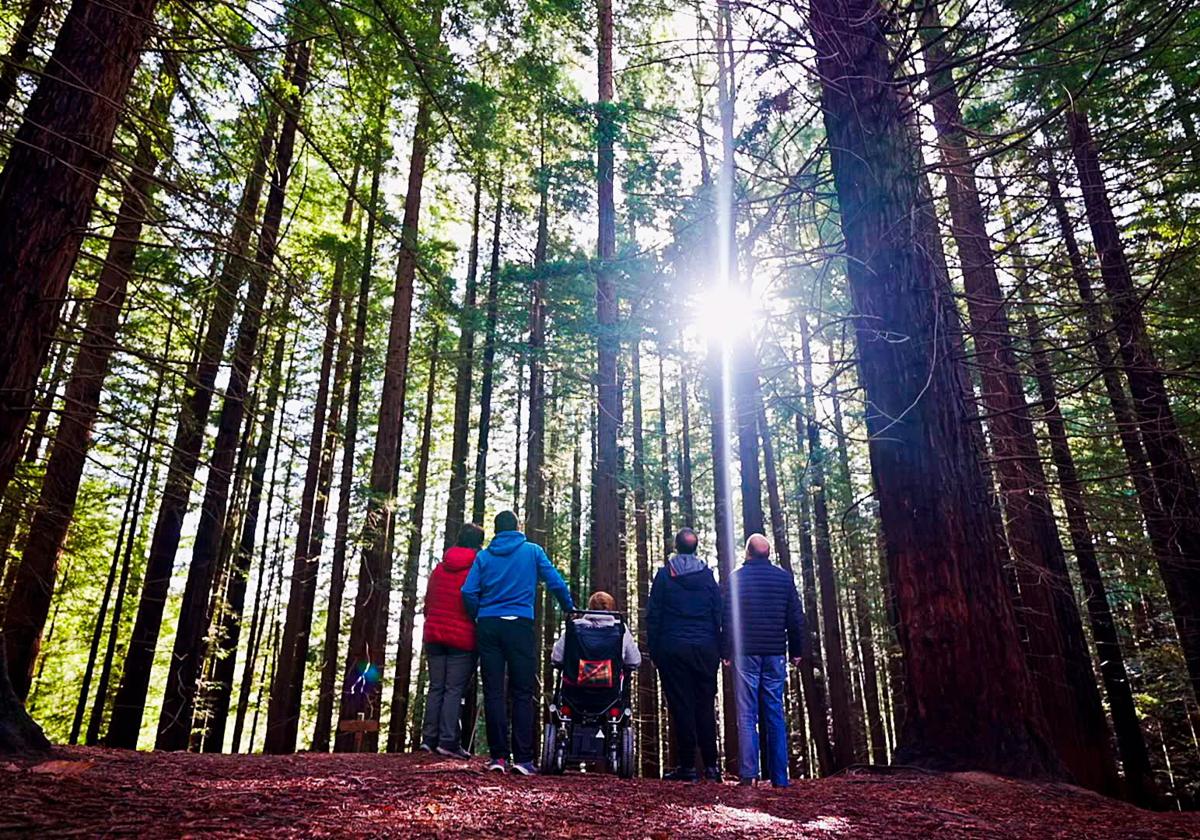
760	681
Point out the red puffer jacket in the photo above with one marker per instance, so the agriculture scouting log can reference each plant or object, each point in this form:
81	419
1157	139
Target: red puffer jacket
446	619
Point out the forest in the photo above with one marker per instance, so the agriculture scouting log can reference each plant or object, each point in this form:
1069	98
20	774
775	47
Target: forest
290	290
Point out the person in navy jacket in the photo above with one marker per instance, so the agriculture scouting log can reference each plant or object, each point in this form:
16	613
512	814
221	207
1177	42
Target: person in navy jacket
499	593
449	638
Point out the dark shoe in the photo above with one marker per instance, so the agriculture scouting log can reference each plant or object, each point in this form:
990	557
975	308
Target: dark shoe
712	774
454	752
496	765
780	786
525	768
426	747
747	782
682	774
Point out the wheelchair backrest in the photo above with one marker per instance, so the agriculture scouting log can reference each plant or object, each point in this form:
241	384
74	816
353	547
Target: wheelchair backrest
592	655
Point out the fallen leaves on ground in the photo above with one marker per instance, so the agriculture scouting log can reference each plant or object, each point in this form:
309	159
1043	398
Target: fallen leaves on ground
93	791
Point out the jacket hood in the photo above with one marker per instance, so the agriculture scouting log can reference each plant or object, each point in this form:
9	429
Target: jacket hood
681	565
457	558
598	620
505	543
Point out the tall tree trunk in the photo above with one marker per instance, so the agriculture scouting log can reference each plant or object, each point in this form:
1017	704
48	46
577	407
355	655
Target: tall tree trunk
838	681
664	453
1174	478
944	559
408	589
687	499
577	576
33	584
47	187
368	628
1131	745
479	497
1056	646
130	700
457	504
221	683
18	53
605	555
333	617
647	675
175	720
536	527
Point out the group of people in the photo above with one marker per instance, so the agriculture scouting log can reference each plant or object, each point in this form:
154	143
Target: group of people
480	605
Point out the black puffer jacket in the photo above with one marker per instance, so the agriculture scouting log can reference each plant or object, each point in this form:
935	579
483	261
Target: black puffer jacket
684	606
769	619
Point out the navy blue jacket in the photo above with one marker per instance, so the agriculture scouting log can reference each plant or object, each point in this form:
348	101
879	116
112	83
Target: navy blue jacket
768	618
684	606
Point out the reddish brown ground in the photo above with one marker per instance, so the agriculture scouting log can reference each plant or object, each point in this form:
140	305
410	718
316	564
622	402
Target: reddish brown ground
102	792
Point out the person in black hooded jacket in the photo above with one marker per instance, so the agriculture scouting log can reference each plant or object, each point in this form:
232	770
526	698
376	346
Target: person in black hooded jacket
683	621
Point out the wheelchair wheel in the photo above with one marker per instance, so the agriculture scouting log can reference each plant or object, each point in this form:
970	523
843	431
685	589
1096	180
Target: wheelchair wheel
625	760
553	759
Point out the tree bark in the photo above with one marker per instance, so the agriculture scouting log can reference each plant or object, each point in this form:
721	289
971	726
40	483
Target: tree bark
687	499
47	187
368	628
479	497
397	733
130	700
1174	479
175	720
651	751
944	559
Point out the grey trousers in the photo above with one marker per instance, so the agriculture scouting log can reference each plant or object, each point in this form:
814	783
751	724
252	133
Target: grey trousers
449	671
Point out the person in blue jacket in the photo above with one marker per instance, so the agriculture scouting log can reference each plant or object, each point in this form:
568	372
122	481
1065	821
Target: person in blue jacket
499	593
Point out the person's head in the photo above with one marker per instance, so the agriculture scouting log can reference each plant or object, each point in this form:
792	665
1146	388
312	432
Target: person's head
686	541
602	601
470	536
758	548
506	520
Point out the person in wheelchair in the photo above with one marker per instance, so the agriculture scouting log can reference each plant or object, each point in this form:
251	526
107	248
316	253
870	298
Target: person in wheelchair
590	718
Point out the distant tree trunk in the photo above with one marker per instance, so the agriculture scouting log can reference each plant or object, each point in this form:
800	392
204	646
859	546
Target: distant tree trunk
606	536
664	473
333	616
456	506
1131	745
1171	468
33	583
1056	647
858	585
175	721
18	53
479	497
577	576
687	498
933	503
812	676
837	679
408	589
130	700
47	187
536	527
647	675
368	628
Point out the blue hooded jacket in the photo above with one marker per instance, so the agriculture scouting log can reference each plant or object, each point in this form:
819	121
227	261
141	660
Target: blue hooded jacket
503	579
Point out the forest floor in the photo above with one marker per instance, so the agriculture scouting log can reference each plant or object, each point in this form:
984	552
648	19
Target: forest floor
91	792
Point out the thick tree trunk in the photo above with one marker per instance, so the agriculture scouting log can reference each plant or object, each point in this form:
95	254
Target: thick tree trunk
1178	493
47	186
368	629
944	560
479	497
605	553
648	702
408	589
1056	646
18	53
837	678
185	455
33	583
322	734
175	721
457	503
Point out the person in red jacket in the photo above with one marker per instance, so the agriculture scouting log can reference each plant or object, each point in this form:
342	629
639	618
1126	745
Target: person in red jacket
449	644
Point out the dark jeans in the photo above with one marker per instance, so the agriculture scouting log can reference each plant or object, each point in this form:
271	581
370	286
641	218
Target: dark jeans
760	684
449	671
689	679
507	647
